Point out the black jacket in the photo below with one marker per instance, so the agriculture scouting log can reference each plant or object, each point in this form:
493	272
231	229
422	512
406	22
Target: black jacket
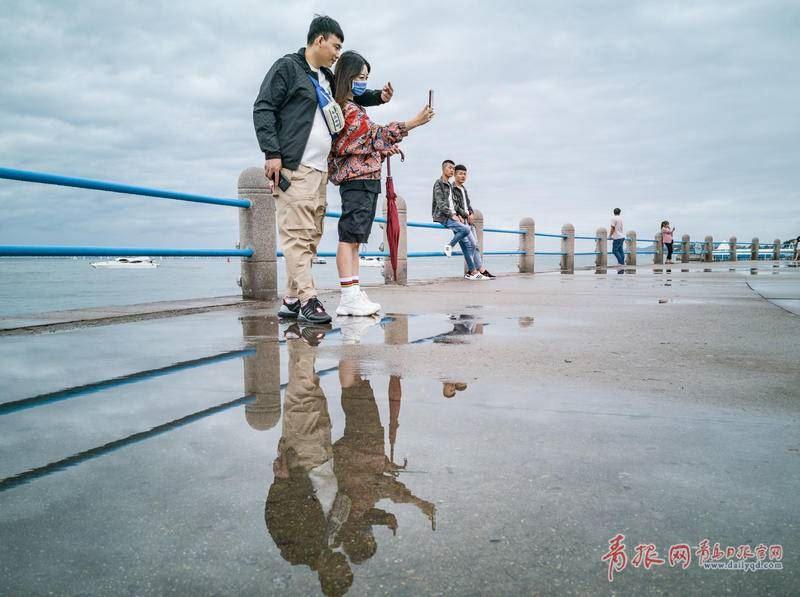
461	201
286	105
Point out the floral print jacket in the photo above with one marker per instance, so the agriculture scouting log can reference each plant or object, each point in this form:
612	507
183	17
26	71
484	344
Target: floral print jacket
360	147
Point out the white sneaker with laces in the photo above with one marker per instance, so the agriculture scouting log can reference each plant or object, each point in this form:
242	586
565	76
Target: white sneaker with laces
448	250
352	303
364	296
475	276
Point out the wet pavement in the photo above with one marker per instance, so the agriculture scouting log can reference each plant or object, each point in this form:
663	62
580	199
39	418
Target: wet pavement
477	439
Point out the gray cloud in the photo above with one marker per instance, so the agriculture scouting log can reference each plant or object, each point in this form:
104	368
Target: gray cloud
680	110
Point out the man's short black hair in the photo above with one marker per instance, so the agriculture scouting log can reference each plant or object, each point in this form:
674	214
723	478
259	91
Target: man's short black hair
324	26
448	162
617	211
461	168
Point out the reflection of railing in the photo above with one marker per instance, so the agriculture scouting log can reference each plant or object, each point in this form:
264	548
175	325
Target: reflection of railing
261	378
258	247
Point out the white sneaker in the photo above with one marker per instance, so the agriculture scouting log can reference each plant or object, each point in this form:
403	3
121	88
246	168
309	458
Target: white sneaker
353	329
448	250
352	303
475	276
364	296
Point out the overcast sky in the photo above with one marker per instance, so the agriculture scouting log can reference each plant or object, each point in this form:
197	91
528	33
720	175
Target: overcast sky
686	111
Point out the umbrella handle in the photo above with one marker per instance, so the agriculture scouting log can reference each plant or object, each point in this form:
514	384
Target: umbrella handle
389	161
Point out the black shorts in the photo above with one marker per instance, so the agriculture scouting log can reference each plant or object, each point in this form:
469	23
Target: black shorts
359	202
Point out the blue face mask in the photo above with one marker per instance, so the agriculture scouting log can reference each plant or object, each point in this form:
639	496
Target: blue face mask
359	87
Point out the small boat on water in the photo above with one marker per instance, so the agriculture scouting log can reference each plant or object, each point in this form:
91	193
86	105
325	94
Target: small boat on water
317	260
127	263
370	262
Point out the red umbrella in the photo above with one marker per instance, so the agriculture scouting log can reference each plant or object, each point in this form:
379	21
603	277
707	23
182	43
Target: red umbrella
392	219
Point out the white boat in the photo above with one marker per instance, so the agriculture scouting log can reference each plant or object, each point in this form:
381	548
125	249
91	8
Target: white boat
127	263
317	260
370	262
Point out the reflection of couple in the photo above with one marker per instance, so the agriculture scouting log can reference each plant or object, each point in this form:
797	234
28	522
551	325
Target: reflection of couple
320	509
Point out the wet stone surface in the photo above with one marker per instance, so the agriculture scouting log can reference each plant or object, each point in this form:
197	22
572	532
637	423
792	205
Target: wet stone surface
477	450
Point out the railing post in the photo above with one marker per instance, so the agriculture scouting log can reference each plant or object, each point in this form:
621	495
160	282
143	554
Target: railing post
527	243
399	278
568	248
601	248
658	257
709	248
630	258
754	247
732	247
257	231
776	250
262	372
687	247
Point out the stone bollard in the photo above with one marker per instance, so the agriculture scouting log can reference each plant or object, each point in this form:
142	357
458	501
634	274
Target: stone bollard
262	372
776	249
709	252
732	246
601	249
568	249
630	258
754	247
658	256
687	248
257	232
401	276
527	243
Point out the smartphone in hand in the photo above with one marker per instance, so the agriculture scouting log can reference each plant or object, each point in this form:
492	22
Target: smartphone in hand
430	98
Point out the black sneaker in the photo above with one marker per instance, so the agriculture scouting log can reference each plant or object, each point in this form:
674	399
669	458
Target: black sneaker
289	310
313	312
487	274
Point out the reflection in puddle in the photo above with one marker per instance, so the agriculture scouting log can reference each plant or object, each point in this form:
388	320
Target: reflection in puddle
463	325
321	508
525	322
449	389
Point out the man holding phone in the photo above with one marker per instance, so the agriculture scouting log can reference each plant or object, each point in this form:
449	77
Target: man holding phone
296	139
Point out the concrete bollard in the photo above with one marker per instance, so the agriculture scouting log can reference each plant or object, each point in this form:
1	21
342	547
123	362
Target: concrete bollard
776	249
658	256
601	249
257	231
734	256
754	249
709	252
568	249
527	243
400	277
630	258
262	372
687	248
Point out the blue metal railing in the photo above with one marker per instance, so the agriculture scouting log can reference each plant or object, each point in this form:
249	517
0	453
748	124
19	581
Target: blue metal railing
58	251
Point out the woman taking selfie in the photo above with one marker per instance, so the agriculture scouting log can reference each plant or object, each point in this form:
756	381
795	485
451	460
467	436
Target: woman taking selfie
354	165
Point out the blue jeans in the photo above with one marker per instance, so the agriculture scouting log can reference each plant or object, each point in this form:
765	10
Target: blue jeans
461	233
618	251
476	251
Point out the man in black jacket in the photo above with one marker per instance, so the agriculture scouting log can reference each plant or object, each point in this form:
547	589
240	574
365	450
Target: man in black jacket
296	140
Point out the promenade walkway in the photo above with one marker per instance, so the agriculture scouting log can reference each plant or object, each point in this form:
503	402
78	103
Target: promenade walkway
142	448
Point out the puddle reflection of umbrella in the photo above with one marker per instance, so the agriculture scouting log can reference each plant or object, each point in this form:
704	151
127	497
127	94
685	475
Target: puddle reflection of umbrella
395	395
392	219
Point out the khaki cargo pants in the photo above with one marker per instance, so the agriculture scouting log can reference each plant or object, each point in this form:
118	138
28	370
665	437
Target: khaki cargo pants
301	213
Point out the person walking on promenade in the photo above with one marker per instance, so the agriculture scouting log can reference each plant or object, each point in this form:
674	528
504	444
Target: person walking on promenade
293	115
354	165
464	209
443	211
617	236
796	256
666	238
